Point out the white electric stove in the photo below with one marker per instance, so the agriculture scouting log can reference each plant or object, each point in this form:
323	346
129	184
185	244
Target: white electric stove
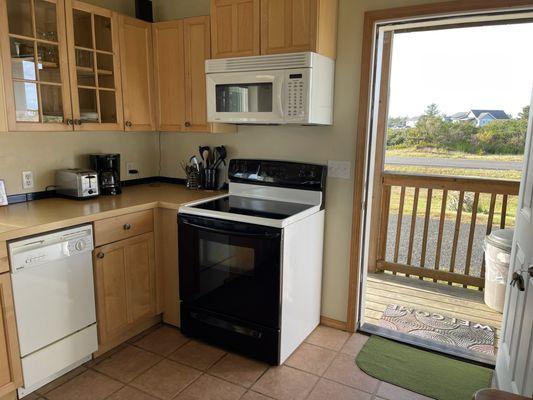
251	261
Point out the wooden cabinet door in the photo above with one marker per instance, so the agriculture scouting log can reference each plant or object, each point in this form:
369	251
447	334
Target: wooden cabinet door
10	366
140	277
235	28
136	64
111	298
197	49
33	44
93	53
169	65
125	285
288	26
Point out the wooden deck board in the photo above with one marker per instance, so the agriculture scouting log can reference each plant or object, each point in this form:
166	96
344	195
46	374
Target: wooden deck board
383	289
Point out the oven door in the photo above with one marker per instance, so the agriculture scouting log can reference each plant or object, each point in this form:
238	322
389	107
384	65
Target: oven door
249	97
231	268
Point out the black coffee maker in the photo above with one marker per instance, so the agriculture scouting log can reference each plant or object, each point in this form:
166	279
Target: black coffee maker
108	168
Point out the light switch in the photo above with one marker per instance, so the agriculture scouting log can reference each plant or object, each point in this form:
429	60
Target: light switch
339	169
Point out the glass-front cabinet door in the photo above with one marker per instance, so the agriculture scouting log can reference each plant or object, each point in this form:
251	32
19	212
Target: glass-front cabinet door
35	65
95	77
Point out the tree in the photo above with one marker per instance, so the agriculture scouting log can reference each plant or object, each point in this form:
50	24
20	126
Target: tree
524	114
432	110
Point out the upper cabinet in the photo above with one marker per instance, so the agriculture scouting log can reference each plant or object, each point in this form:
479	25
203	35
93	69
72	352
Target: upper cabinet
68	65
92	35
260	27
290	26
235	30
35	67
180	51
136	64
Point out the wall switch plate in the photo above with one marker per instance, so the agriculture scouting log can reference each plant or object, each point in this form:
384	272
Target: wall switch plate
27	180
3	194
131	169
339	169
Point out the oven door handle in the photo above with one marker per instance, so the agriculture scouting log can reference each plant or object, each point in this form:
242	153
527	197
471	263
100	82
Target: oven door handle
268	235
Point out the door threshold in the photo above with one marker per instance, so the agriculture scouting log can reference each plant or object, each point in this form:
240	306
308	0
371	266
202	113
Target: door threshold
426	344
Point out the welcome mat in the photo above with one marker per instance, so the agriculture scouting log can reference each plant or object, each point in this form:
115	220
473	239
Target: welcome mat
440	328
420	371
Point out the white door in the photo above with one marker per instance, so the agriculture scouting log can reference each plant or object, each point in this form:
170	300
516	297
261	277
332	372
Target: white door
514	366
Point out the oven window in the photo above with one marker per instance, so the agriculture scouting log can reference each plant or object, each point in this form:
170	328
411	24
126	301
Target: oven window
241	98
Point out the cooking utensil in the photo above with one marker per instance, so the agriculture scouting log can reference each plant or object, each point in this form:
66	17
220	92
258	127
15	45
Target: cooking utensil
221	156
204	152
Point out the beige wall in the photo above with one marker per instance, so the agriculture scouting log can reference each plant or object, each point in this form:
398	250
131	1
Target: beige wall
312	144
45	152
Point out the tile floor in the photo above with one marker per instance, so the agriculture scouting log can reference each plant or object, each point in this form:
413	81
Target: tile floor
163	364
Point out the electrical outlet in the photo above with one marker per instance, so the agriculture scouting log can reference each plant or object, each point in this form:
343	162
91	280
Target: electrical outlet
132	169
27	179
339	169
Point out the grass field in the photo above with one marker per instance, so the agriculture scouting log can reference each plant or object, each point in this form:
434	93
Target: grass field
431	152
484	200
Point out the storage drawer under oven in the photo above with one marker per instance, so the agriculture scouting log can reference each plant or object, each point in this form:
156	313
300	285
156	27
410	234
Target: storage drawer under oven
240	336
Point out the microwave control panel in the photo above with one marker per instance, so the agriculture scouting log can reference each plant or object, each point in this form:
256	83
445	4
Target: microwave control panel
296	99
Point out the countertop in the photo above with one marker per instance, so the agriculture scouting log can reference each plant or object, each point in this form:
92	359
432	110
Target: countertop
23	219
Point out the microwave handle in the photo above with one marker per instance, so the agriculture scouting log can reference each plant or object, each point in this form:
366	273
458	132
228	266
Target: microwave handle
268	235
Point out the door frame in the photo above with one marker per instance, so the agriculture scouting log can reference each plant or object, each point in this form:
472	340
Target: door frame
368	78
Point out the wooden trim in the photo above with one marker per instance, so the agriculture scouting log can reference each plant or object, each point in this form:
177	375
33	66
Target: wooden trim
466	184
8	320
333	323
367	59
4	261
431	273
377	223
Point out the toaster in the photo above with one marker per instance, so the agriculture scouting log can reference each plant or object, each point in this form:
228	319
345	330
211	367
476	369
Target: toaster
77	183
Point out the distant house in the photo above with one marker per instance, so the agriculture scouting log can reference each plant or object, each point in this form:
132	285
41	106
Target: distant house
479	117
411	122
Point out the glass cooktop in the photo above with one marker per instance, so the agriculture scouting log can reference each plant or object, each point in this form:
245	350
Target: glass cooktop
254	207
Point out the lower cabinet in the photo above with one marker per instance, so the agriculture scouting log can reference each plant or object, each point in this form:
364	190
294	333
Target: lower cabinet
10	367
125	289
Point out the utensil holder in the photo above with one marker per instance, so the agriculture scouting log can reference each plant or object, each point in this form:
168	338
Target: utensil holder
194	180
210	179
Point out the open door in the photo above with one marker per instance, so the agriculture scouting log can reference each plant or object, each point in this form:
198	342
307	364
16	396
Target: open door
514	366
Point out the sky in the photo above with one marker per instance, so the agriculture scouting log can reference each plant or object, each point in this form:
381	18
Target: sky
459	69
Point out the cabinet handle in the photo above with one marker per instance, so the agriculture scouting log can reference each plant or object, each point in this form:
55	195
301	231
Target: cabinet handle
100	255
129	124
127	227
187	124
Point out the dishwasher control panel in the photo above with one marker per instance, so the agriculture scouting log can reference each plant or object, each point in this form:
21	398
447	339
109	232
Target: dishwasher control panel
41	250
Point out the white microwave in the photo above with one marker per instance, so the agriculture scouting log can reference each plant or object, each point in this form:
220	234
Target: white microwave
294	88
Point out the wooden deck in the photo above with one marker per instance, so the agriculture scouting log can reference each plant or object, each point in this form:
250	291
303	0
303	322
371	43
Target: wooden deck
383	289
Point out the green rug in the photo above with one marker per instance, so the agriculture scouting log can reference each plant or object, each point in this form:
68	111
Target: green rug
420	371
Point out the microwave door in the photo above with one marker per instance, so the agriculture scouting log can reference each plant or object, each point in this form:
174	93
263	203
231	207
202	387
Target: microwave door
245	97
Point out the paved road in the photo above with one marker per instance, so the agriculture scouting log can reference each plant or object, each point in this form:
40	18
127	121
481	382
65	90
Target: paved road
454	163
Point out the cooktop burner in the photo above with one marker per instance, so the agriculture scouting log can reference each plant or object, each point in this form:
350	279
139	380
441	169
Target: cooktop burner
254	207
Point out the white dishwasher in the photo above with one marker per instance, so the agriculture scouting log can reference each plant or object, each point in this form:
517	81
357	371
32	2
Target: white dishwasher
53	290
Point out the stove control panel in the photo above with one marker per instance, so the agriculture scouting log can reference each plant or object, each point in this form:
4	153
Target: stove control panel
278	173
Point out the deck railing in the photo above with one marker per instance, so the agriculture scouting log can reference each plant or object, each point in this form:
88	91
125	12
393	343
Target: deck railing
459	203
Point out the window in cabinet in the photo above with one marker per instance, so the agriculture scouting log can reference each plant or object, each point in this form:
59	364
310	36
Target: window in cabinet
35	65
93	53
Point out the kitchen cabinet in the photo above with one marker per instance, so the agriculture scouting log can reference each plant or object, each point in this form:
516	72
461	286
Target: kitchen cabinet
3	115
235	30
136	64
125	289
10	366
93	44
35	66
290	26
180	50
